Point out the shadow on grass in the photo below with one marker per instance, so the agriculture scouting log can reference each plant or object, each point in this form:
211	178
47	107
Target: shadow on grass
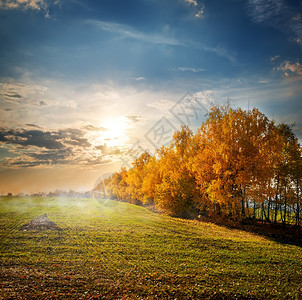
284	234
288	234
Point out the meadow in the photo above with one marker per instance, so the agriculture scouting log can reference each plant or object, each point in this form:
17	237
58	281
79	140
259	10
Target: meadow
115	250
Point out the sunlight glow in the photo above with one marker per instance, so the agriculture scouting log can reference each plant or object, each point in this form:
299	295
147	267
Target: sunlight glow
115	133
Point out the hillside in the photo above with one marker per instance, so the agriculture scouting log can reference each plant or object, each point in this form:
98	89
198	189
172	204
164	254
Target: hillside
110	250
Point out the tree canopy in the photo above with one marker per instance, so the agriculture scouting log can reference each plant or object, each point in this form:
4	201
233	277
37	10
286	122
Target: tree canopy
238	165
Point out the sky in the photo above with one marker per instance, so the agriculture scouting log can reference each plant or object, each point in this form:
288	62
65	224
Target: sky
87	86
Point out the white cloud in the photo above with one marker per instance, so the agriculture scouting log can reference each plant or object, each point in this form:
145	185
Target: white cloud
65	104
23	4
188	69
291	70
198	8
129	32
25	98
23	89
204	97
37	5
20	93
199	13
201	97
141	78
193	2
164	105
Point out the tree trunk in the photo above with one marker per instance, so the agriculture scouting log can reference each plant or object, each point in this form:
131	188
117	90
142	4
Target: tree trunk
268	209
276	208
276	201
298	203
285	206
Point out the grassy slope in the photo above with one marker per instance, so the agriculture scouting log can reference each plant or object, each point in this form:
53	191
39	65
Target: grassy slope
116	249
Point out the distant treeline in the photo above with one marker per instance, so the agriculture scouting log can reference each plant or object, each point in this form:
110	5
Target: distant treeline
57	193
239	165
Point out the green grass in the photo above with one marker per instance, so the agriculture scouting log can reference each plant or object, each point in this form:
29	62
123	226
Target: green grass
112	250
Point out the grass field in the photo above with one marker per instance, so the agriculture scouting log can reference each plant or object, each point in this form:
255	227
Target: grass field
113	250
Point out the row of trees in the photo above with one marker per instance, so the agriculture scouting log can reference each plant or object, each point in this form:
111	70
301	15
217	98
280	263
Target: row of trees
238	165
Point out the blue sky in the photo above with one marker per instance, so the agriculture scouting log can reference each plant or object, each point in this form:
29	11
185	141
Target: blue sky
85	86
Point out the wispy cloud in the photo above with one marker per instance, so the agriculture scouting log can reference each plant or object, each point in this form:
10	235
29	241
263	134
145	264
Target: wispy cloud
25	95
277	14
22	95
125	31
134	119
162	105
140	78
266	10
188	69
129	32
165	105
23	90
221	51
275	58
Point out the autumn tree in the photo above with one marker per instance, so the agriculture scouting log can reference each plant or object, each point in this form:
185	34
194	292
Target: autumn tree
136	177
238	165
176	193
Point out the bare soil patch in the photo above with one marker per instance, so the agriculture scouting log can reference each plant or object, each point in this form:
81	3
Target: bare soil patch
40	223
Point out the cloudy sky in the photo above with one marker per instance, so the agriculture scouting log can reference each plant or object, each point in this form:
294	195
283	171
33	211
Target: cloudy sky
86	86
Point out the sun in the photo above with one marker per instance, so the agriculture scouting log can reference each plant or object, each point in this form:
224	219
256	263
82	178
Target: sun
115	128
115	131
